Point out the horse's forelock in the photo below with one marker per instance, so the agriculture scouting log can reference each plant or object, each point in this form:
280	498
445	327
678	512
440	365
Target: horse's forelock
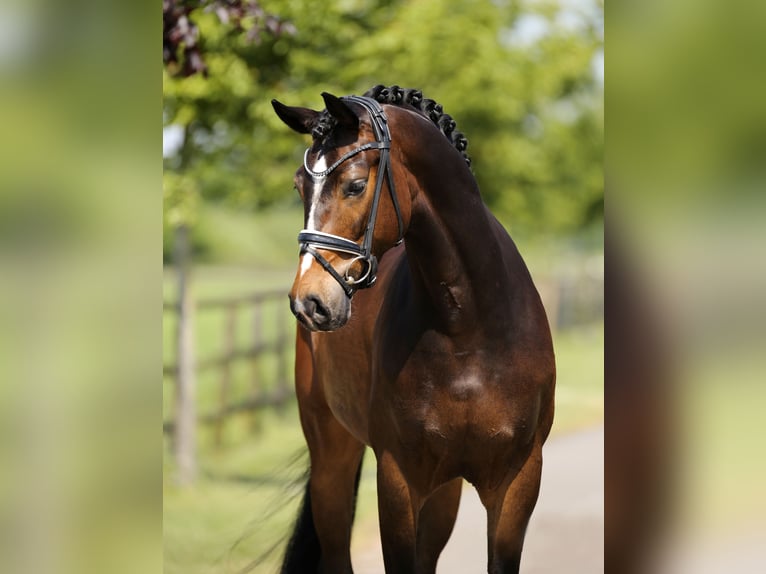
324	126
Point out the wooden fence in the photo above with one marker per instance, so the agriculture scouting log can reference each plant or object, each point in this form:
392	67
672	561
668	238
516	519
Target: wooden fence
233	308
276	340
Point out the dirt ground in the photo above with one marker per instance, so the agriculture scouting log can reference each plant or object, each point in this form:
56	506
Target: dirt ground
566	533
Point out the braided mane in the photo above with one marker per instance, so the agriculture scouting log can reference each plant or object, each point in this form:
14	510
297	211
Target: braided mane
429	108
397	96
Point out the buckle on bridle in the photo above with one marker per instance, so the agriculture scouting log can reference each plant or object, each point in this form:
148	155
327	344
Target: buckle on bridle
368	278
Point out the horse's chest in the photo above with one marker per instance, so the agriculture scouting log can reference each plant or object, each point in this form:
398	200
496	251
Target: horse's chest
348	406
447	403
471	403
342	373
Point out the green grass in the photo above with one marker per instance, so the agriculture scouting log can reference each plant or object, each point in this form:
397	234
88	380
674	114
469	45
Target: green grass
579	377
719	402
240	506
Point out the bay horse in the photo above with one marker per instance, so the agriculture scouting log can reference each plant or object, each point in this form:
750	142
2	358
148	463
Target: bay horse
439	358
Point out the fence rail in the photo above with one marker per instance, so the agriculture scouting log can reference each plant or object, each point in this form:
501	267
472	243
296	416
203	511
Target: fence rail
233	305
263	394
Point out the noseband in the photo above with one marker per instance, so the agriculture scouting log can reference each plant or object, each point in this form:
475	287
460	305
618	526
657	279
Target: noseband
310	240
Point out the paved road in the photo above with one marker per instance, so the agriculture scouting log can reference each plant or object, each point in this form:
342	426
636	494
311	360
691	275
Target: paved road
566	533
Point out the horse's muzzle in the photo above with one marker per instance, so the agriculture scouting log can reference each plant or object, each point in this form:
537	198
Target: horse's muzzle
316	315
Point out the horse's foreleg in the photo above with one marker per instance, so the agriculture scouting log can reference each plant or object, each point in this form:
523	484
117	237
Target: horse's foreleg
335	462
435	523
336	457
508	513
398	517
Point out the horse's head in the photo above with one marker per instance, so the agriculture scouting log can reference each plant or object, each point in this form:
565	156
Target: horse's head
351	211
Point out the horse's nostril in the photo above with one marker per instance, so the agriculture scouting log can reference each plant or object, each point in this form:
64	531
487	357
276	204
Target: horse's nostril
316	309
308	305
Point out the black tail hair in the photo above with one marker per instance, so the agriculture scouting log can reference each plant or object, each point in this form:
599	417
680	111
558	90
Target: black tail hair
303	553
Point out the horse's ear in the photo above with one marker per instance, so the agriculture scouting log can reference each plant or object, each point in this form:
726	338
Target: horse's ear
340	111
302	120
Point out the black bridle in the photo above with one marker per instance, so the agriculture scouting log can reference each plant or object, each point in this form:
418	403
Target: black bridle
310	240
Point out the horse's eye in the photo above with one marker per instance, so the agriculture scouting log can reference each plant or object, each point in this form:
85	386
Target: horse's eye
356	187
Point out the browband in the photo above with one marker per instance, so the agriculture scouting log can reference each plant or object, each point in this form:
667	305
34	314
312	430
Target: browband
344	157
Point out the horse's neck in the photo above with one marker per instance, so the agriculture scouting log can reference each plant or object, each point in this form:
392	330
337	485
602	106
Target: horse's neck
457	260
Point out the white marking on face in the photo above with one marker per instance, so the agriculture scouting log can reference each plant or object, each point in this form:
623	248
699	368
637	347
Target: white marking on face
306	262
320	165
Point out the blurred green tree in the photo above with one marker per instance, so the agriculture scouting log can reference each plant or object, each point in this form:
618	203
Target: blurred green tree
518	77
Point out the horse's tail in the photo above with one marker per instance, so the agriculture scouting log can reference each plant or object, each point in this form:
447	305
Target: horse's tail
303	552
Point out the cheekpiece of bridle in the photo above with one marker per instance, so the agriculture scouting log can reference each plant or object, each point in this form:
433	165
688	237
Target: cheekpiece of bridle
310	240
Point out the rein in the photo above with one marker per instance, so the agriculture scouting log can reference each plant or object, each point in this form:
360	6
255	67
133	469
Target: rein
310	240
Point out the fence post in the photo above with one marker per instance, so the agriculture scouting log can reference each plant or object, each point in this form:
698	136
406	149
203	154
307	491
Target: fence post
230	338
255	391
283	389
185	413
